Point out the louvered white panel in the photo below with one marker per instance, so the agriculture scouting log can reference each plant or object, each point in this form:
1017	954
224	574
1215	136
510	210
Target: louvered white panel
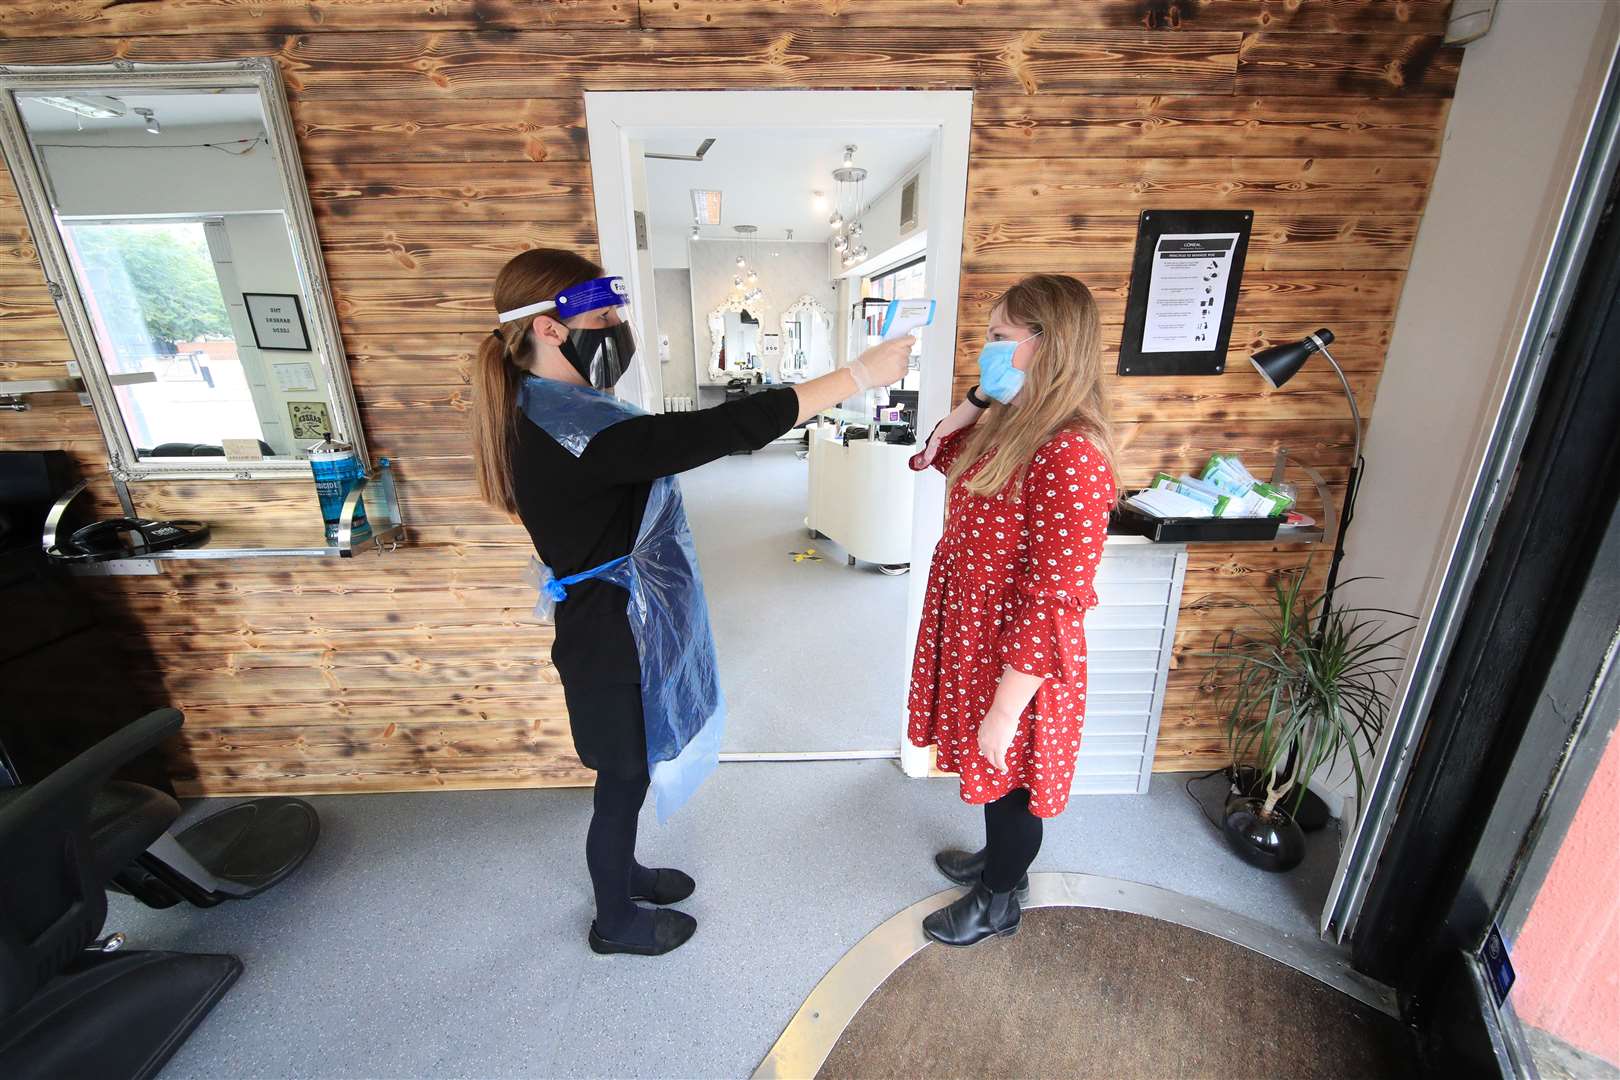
1128	638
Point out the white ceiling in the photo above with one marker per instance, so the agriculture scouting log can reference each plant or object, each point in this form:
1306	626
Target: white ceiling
180	110
767	176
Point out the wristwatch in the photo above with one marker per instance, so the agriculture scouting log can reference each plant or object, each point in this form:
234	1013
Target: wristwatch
975	400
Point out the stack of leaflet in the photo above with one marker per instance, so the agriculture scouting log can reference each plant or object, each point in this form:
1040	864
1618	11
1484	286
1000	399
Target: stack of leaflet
1193	507
1225	489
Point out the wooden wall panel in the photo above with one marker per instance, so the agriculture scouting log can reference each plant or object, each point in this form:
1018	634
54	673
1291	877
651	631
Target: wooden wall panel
440	137
56	18
1072	125
1319	16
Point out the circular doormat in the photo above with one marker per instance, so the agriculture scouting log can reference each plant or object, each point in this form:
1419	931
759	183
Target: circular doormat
1086	992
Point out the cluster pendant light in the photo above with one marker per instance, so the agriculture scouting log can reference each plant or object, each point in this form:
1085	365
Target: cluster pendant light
745	282
849	203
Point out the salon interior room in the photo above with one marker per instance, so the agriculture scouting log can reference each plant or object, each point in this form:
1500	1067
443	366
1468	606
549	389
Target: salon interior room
775	253
289	781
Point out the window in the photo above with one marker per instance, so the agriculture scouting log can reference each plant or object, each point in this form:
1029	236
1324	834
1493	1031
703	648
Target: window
908	281
904	282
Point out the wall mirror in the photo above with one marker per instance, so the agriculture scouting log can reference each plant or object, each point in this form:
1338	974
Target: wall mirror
735	346
171	217
806	340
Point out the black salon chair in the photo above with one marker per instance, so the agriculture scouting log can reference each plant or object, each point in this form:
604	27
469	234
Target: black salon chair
69	1008
179	449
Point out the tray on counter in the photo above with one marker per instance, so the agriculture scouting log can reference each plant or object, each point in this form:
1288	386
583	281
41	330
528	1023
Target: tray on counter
1188	530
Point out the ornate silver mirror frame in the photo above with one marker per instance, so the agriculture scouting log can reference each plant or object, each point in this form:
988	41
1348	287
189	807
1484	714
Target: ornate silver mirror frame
257	73
717	336
804	305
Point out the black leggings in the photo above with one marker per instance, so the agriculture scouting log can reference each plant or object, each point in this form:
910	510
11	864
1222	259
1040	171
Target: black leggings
1012	839
610	850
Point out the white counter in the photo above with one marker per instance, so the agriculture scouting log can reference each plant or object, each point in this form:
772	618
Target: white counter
861	496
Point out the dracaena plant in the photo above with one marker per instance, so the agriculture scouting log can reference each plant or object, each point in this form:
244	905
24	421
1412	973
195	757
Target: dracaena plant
1298	692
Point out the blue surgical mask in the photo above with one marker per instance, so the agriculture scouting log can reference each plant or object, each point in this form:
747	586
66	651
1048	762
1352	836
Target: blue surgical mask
998	378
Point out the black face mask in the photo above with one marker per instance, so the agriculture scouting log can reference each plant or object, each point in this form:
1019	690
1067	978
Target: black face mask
601	356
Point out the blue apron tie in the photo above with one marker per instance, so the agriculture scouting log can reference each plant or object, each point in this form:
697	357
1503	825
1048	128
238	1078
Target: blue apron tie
557	588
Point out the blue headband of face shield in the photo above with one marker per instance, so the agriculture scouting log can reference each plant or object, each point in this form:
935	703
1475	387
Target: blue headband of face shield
600	354
586	296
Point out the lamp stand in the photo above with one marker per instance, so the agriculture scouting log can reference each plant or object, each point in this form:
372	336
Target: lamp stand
1313	812
1356	465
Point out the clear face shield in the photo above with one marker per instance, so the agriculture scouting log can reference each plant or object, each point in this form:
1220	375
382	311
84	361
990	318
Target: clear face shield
601	339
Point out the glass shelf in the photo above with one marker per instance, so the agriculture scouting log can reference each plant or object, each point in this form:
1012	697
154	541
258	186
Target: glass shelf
384	531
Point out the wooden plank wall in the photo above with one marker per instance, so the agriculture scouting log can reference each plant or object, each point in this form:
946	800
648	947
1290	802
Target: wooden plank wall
441	136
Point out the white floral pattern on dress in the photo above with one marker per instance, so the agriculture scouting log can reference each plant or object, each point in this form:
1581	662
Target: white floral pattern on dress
1010	584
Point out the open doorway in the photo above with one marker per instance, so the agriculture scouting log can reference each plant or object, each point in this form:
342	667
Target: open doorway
764	233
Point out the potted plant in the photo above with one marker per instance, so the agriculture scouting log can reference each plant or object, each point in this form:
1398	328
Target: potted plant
1297	694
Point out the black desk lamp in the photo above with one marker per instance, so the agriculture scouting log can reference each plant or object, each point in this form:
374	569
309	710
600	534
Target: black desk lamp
1277	365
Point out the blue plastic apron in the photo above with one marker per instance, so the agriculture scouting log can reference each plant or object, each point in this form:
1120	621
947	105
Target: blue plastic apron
681	701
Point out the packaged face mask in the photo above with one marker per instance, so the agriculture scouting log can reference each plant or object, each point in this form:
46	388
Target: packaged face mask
1277	504
1209	500
1228	475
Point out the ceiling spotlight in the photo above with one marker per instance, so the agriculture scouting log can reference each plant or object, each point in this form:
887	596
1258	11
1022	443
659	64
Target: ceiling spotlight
696	232
152	125
818	201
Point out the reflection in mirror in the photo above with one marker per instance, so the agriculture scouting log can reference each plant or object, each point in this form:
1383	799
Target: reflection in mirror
173	204
806	340
170	209
735	346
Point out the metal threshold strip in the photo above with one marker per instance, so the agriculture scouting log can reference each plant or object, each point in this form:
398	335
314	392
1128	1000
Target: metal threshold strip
810	1035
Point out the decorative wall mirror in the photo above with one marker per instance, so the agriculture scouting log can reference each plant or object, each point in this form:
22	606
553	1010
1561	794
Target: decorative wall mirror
170	213
806	340
735	347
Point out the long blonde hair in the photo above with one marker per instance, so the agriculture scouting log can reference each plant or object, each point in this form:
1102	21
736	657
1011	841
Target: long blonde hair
504	356
1063	386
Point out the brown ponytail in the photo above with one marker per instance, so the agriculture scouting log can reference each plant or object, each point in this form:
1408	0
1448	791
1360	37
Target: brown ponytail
504	356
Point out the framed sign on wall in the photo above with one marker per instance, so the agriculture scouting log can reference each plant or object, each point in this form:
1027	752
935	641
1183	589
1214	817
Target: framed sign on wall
1184	287
310	419
278	321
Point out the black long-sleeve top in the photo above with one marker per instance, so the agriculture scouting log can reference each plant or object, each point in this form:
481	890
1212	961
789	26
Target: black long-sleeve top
585	511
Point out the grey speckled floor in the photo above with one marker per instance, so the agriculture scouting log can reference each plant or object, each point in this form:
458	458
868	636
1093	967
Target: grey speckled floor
442	934
790	632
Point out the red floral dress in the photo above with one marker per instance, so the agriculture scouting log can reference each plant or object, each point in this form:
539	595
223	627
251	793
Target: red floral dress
1010	583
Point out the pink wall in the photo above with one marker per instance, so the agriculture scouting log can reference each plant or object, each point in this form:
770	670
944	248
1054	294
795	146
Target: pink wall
1568	954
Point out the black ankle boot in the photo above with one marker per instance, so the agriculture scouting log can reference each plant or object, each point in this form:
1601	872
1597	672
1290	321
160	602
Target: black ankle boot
967	867
976	916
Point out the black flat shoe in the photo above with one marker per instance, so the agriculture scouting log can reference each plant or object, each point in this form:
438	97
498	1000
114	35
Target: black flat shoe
669	887
978	915
967	867
671	930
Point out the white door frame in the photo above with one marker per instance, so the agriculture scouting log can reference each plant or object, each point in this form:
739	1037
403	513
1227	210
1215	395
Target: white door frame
613	118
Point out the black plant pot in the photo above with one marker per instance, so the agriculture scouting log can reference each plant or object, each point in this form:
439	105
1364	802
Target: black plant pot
1272	842
1313	812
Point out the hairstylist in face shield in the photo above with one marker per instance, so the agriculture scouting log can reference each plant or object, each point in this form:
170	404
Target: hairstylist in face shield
999	678
593	480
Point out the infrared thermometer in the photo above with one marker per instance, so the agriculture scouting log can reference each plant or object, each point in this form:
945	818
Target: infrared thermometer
904	316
